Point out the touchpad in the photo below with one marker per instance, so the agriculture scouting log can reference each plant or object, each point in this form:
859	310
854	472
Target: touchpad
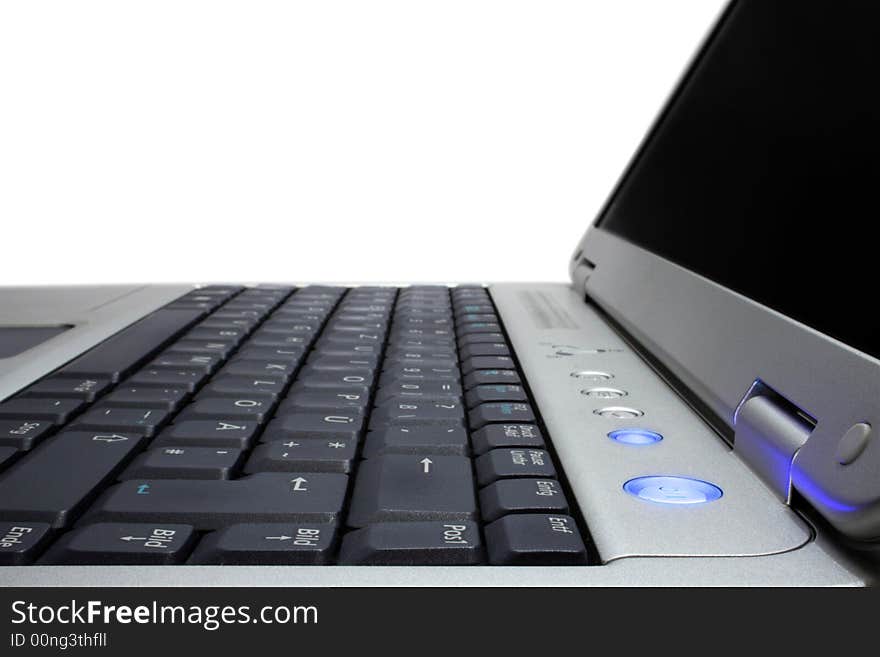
16	339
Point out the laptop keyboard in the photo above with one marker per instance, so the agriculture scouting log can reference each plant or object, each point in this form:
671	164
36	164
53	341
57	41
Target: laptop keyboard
272	425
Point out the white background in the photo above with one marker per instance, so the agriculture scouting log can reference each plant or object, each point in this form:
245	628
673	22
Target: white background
289	141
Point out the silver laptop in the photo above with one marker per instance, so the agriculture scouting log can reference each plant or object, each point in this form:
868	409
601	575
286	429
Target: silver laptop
696	406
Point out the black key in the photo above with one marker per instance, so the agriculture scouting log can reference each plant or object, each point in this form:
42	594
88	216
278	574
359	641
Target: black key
357	318
471	318
244	325
325	399
303	456
417	439
493	436
484	349
243	386
500	412
268	544
226	315
202	347
499	392
184	463
138	397
284	327
479	338
22	541
7	456
245	408
359	353
290	343
231	335
516	462
334	425
415	390
57	411
346	339
522	496
189	379
70	468
263	497
427	323
145	421
479	327
468	365
206	363
291	354
58	388
443	343
399	375
236	434
535	540
423	363
428	352
121	353
354	365
413	332
469	307
410	488
281	369
413	544
339	381
114	544
491	377
394	412
263	305
24	434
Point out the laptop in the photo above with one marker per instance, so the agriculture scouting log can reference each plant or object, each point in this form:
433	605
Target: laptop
696	406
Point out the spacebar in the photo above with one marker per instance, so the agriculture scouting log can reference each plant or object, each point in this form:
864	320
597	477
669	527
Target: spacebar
121	353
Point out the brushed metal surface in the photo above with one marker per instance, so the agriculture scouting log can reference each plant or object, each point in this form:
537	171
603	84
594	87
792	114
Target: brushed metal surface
719	342
95	312
814	563
747	520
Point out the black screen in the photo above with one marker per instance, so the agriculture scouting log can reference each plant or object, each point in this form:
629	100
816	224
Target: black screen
762	172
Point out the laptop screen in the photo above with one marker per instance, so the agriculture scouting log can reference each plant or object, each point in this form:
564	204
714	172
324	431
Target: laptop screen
762	173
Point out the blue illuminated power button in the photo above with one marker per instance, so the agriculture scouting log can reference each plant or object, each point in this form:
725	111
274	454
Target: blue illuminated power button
635	436
673	490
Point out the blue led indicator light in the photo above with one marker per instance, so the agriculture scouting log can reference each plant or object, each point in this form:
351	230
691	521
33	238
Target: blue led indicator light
635	436
673	490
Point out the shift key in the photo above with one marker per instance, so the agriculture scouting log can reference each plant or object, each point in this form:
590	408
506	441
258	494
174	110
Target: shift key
55	481
211	504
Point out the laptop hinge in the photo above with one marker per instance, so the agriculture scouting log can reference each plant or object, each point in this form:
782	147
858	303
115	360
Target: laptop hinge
581	269
768	432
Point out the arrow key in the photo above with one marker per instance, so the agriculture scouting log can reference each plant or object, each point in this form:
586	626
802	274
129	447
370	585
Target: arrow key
112	543
268	543
398	487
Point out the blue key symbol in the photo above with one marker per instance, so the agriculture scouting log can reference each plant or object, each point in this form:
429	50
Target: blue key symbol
143	489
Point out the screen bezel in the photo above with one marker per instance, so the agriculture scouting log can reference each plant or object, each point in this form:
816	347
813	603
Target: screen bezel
718	342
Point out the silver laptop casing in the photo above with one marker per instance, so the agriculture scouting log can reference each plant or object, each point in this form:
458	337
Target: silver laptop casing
749	537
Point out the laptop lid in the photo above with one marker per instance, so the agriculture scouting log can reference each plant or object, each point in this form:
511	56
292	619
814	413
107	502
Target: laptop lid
736	246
